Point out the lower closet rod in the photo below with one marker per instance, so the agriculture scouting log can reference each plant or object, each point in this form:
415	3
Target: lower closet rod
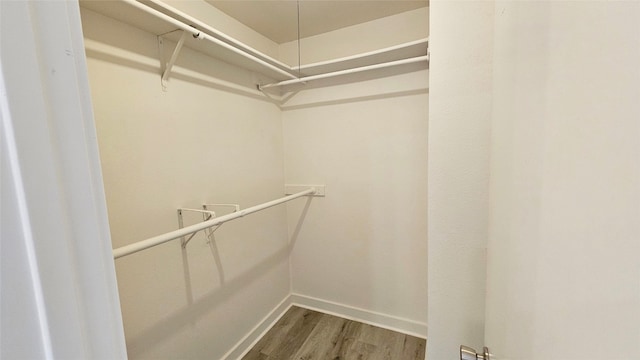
160	239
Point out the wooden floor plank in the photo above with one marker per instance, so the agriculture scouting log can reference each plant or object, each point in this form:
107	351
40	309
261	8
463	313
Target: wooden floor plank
322	339
297	335
388	344
345	340
279	332
414	348
303	334
360	350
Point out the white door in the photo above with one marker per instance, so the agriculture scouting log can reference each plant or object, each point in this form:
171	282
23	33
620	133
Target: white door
552	90
58	295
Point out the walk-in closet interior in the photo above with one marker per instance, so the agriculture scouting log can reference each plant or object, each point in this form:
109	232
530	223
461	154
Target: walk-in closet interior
205	109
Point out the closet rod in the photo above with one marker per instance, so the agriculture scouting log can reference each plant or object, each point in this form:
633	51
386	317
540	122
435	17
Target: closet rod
348	71
172	235
200	35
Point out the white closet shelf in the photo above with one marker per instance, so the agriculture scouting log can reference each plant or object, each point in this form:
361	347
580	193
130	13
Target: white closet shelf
407	50
160	19
131	12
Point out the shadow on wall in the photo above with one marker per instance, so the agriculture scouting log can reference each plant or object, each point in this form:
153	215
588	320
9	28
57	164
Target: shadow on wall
197	68
296	231
108	40
204	78
175	322
144	53
356	99
373	74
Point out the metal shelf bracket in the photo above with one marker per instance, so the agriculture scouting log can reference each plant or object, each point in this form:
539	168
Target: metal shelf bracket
167	66
206	215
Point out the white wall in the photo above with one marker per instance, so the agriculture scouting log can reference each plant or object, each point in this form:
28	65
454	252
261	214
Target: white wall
362	250
563	275
211	137
461	36
364	245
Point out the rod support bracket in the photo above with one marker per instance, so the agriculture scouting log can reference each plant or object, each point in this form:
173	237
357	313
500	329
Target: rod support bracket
319	190
206	215
176	51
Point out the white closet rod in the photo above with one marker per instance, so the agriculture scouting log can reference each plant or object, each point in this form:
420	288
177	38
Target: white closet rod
200	35
348	71
160	239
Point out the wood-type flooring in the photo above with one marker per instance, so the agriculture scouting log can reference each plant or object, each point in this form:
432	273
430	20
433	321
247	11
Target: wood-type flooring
303	334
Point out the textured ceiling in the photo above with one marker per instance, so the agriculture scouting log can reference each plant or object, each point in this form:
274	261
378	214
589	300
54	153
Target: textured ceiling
278	20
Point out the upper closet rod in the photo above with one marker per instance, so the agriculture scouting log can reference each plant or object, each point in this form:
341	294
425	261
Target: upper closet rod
200	35
160	239
347	71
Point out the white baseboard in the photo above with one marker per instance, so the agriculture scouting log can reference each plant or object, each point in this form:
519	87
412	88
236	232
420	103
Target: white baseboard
242	347
402	325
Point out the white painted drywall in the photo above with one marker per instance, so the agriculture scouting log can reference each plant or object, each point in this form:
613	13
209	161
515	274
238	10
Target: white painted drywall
357	39
212	137
362	249
364	245
461	36
58	292
564	248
